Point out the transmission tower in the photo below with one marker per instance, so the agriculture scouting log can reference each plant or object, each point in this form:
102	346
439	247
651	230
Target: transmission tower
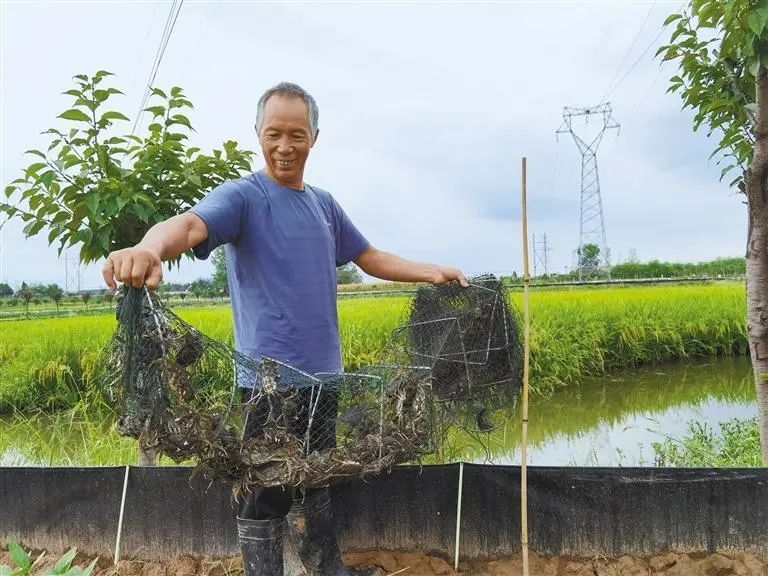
592	222
71	273
541	252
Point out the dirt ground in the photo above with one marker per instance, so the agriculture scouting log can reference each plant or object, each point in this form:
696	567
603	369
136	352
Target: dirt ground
418	564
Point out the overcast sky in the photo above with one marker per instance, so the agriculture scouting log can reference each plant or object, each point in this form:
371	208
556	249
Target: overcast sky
425	112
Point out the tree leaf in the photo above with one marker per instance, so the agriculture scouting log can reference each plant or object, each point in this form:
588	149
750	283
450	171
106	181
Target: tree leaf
756	22
179	119
92	202
36	153
159	92
75	114
48	177
112	115
671	18
33	227
33	168
155	110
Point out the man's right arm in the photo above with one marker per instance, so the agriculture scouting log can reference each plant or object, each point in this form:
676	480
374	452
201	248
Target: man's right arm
143	264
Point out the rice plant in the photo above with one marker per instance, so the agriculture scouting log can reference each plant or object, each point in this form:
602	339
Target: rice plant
46	364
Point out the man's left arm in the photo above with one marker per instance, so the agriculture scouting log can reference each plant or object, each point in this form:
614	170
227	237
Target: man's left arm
388	266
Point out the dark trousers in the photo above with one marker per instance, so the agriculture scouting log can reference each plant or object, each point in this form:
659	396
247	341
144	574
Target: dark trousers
267	503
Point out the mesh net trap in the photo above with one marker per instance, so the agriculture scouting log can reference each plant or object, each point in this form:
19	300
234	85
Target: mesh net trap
454	361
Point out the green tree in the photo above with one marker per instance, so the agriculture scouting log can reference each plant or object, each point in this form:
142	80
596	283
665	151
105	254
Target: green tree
348	274
26	295
721	48
102	190
86	297
55	293
589	257
219	279
5	290
201	287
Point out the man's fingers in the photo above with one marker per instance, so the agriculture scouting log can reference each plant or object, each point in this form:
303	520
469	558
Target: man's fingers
155	276
126	269
139	273
463	280
108	273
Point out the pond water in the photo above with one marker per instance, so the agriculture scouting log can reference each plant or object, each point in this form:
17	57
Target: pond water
613	420
607	421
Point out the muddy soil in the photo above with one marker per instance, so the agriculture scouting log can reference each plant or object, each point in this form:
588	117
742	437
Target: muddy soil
418	564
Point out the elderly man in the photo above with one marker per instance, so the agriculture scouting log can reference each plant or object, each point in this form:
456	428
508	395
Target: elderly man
283	240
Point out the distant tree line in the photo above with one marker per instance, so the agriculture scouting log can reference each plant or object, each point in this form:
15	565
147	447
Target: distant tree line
718	268
656	269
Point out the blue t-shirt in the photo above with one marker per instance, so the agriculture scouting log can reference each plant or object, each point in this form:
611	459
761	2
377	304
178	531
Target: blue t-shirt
282	247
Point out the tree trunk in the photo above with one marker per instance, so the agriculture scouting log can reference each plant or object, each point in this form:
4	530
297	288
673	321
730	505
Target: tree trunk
757	258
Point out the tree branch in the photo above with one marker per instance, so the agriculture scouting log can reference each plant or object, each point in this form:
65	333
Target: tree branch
5	206
733	76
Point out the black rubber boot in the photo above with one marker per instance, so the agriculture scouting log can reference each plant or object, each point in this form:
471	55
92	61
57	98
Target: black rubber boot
312	531
261	543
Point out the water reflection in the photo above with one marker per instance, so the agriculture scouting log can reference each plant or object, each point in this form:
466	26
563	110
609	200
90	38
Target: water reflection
612	420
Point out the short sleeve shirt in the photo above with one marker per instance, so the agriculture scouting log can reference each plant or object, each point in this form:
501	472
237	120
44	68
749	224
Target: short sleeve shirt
282	248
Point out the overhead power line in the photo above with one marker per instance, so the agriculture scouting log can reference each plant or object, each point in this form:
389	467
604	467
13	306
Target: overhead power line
627	53
635	63
170	24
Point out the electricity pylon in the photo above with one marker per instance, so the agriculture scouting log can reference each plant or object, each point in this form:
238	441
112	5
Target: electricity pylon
592	222
541	252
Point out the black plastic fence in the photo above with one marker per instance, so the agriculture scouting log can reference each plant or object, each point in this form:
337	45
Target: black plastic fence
575	511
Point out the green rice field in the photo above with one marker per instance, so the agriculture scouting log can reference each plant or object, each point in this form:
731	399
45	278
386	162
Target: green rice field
45	364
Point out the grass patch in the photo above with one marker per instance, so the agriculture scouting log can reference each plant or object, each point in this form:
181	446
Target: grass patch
737	445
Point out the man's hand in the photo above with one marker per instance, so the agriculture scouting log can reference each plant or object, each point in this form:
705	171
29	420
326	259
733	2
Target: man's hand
443	275
136	266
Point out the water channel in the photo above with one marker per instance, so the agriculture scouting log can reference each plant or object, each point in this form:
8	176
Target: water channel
607	421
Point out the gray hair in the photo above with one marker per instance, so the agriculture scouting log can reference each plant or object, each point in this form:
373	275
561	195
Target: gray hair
289	89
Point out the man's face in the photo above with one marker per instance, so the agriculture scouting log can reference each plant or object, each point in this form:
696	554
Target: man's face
286	139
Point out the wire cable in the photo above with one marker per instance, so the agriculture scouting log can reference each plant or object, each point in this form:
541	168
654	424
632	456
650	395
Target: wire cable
639	58
628	52
146	93
170	24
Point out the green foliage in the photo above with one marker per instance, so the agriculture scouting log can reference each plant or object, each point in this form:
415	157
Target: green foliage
738	445
348	274
657	269
589	256
720	47
55	293
101	190
219	280
5	290
24	565
202	287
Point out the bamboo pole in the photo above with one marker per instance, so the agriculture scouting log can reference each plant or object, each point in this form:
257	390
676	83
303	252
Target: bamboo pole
526	353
